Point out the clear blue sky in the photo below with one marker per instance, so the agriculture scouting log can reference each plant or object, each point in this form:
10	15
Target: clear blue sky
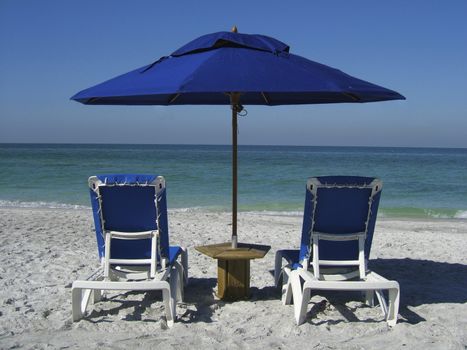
49	50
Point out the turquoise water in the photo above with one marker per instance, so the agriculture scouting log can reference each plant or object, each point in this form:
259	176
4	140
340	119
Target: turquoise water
418	182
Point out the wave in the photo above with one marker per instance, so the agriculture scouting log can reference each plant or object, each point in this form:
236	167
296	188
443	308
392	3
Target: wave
275	213
461	214
40	204
423	213
401	212
396	213
199	209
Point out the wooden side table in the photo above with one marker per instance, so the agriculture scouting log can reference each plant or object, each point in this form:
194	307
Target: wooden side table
233	267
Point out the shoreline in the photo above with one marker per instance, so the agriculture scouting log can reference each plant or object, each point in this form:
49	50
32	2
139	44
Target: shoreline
294	213
44	250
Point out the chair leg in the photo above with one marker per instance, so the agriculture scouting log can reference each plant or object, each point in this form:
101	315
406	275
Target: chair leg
393	310
97	295
301	297
168	303
277	267
79	302
278	272
174	285
185	265
180	282
286	288
287	295
369	297
302	307
382	301
76	312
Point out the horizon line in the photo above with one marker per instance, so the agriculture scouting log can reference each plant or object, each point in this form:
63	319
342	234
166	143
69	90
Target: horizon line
215	144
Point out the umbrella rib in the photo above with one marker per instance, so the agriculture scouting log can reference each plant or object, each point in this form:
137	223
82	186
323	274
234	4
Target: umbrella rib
265	97
352	96
172	100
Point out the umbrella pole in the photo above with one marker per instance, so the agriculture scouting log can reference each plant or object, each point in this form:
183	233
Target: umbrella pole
234	101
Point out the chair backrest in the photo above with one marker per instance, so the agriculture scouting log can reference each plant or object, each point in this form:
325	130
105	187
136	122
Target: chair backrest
339	205
129	203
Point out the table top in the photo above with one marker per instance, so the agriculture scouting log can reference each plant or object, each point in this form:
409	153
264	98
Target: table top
244	251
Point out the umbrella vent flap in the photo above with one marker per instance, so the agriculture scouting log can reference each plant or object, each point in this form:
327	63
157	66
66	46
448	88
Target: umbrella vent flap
230	39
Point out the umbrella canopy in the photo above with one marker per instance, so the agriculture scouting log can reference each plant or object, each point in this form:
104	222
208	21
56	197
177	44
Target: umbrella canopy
229	68
260	67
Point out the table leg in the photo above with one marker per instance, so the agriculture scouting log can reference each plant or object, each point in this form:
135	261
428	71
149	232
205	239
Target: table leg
233	279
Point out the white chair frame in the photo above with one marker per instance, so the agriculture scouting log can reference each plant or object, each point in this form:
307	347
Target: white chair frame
298	283
169	279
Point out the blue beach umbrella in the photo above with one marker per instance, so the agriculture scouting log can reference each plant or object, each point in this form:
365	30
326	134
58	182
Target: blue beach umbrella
229	68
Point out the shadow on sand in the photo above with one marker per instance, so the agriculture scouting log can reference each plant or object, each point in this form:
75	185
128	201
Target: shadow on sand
421	282
200	303
424	282
200	293
139	306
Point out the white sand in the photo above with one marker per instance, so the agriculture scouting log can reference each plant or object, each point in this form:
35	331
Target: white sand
43	251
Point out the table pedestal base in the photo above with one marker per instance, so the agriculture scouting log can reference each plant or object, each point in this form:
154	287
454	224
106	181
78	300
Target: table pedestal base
233	267
233	279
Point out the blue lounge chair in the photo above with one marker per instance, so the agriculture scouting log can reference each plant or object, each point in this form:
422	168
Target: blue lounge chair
338	225
130	217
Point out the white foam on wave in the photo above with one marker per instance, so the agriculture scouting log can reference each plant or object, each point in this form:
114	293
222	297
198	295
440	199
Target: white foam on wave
275	213
198	209
436	215
212	209
461	214
40	204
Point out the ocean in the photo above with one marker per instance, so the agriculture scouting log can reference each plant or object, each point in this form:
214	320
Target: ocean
418	182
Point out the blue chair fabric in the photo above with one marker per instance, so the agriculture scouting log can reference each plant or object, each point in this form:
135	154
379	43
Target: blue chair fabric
130	208
340	210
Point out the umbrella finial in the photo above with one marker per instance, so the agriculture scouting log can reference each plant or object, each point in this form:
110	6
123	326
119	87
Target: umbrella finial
234	29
